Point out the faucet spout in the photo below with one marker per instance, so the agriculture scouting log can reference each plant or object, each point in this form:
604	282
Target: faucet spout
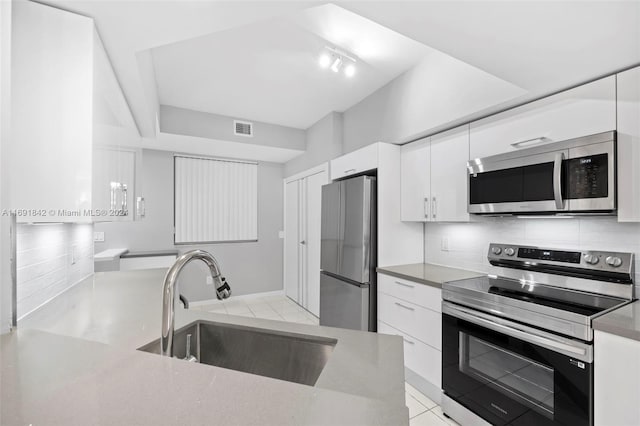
223	291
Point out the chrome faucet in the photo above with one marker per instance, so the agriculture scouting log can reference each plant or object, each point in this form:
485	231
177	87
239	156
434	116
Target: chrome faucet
223	291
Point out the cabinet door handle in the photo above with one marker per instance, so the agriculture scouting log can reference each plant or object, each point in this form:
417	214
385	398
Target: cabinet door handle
404	285
434	207
530	142
408	341
405	306
113	195
124	199
426	207
303	242
140	207
349	171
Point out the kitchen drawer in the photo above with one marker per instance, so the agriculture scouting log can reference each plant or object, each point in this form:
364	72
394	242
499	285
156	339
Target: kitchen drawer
355	162
581	111
418	322
418	357
419	294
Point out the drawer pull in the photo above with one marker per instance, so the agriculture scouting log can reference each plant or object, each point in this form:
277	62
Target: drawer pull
408	341
405	306
405	285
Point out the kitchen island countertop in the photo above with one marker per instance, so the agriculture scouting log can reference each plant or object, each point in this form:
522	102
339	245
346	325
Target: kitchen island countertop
75	362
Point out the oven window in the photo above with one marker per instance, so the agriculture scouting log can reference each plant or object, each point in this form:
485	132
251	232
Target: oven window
518	377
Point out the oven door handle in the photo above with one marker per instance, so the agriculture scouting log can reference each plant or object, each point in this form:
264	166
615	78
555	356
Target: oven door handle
557	180
568	347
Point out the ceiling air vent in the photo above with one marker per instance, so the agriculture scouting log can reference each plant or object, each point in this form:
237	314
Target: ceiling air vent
242	128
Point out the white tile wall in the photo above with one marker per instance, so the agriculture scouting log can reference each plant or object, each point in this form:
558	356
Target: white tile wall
469	242
44	261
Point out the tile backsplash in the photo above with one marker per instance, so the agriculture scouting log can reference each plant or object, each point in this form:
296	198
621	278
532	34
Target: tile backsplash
50	259
468	242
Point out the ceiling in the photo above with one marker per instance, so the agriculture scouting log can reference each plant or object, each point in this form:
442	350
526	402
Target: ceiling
268	71
540	46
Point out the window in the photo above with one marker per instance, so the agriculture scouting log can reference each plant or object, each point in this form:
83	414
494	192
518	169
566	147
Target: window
215	200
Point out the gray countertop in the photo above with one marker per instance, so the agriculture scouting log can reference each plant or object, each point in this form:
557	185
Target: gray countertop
149	253
624	322
75	362
428	274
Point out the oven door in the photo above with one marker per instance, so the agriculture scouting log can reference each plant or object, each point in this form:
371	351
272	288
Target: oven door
509	373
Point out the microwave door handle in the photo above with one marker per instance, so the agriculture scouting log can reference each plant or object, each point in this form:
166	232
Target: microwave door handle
557	180
526	334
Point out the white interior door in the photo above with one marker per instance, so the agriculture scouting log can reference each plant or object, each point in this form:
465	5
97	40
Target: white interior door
292	240
313	209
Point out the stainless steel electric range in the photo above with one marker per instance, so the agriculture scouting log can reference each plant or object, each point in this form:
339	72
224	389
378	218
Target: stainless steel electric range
517	345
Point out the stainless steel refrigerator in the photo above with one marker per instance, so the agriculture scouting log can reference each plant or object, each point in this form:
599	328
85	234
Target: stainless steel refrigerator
348	254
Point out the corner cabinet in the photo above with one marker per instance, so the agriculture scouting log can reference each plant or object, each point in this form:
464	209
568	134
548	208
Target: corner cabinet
434	178
302	219
628	89
63	109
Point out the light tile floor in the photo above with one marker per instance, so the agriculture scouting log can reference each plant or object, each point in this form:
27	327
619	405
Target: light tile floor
422	410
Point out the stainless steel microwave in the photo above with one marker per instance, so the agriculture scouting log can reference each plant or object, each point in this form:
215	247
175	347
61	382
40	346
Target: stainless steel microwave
576	176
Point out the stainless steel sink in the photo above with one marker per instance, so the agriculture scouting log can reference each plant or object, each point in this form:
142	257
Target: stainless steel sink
297	358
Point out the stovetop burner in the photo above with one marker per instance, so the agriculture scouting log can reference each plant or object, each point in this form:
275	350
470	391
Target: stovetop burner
550	296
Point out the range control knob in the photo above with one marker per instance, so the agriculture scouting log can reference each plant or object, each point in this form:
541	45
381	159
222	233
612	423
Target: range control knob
613	261
496	250
509	251
591	259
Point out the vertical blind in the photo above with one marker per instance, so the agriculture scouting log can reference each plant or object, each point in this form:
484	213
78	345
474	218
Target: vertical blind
215	200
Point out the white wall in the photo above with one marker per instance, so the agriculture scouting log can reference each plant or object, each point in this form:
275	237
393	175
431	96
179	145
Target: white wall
437	91
469	242
50	259
187	122
323	143
249	267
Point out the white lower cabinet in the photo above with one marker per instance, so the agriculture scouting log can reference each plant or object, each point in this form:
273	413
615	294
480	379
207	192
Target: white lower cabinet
616	380
413	311
420	358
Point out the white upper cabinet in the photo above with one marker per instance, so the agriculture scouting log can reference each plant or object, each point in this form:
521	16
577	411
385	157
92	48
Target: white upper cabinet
415	181
51	127
434	178
629	145
66	107
581	111
449	181
114	136
355	162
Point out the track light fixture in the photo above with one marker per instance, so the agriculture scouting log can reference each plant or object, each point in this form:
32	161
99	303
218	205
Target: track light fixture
337	60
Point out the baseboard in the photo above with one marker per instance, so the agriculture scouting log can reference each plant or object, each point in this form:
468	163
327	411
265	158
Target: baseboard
430	390
241	297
